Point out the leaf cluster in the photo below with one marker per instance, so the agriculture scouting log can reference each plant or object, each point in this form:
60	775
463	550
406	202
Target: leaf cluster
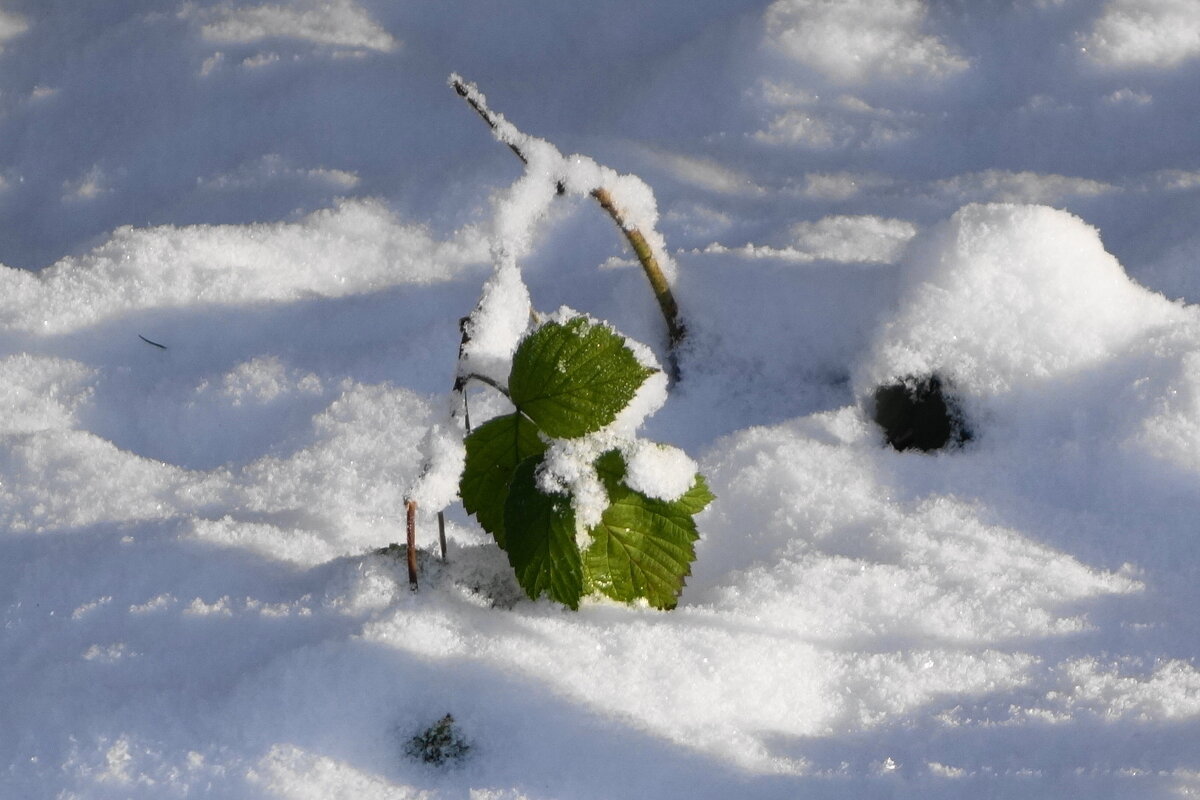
569	380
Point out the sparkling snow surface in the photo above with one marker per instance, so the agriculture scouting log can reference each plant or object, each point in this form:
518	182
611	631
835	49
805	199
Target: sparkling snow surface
239	239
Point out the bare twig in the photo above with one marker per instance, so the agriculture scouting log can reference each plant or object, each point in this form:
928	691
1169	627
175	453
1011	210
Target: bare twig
504	130
156	344
470	93
442	534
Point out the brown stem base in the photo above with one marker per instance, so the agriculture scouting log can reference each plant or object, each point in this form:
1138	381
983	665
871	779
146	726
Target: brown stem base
412	544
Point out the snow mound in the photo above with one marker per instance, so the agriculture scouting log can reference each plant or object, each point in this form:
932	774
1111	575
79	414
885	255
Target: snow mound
1145	33
68	479
11	26
820	518
41	393
854	238
860	40
1004	295
341	23
1172	430
356	247
1004	186
352	480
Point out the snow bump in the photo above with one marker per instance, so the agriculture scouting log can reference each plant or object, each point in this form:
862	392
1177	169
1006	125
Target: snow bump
1156	34
860	40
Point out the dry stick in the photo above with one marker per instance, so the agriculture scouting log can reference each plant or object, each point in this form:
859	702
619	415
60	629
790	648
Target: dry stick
676	331
442	534
412	544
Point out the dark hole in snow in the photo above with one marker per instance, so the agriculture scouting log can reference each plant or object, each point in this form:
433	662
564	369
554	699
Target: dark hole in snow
919	413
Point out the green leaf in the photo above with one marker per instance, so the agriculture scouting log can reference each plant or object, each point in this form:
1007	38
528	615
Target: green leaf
572	379
642	547
697	498
540	532
493	451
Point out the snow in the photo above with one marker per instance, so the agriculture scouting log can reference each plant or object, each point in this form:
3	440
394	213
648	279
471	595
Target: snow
354	248
495	327
11	26
854	41
659	470
854	238
341	23
567	469
240	237
1001	296
1145	34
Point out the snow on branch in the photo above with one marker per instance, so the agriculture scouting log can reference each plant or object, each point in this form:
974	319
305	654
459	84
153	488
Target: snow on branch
626	198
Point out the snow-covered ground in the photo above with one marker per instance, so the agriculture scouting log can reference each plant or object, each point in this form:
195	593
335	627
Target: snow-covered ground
287	196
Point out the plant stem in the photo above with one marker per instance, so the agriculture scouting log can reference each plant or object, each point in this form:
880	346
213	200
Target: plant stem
485	379
676	330
460	380
658	281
